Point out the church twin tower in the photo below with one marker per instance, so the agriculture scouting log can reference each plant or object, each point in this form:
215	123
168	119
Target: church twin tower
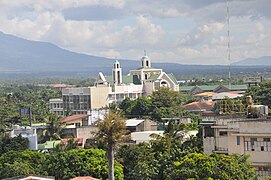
117	71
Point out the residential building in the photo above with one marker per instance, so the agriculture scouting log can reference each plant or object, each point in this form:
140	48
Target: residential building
230	135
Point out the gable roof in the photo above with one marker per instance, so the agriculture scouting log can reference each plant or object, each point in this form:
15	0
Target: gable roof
199	106
75	117
172	77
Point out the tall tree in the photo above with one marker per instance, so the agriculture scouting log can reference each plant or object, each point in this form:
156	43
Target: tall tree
166	103
54	127
111	131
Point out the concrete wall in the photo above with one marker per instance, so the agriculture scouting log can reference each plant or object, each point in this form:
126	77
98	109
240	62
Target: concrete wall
99	96
209	145
86	132
149	88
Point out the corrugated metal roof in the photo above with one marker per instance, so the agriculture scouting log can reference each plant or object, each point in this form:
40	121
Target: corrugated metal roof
133	122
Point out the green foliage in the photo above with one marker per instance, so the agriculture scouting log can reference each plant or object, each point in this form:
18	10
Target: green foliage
54	127
17	144
63	165
15	163
163	103
139	162
216	166
80	162
261	94
8	114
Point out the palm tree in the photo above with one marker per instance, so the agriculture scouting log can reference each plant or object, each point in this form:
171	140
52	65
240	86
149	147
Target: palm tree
111	131
54	127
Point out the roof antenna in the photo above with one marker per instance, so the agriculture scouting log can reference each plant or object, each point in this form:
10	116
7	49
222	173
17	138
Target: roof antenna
229	48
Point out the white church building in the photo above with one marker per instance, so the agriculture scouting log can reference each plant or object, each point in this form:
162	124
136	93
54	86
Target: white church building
114	88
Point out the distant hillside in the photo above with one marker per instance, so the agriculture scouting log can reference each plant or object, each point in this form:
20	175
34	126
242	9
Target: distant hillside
20	57
261	61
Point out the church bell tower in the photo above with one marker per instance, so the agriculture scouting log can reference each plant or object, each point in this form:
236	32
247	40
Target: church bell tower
117	73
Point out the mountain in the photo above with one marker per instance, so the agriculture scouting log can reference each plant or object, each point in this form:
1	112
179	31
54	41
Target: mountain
20	57
261	61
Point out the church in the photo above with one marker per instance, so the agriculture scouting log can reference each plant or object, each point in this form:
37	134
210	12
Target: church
113	88
139	82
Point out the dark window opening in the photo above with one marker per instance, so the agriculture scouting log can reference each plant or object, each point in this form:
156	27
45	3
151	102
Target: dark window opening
223	133
238	140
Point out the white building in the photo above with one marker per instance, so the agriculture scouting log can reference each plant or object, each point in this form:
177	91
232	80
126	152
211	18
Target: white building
115	88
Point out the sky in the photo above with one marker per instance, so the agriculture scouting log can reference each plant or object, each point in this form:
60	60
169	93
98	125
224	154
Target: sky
180	31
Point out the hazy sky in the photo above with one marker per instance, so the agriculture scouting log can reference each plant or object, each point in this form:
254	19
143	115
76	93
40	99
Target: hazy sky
183	31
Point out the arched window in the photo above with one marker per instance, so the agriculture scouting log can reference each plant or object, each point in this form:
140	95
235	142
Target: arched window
147	63
146	76
164	84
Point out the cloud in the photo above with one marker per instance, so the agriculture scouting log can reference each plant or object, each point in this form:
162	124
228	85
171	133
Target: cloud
93	13
200	34
185	31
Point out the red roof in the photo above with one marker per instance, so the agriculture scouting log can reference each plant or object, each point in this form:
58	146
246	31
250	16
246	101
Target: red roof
62	86
75	117
84	178
199	106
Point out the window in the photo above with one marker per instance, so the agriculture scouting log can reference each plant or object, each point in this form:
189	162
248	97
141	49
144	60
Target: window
238	140
208	132
77	124
262	148
147	63
266	139
253	140
223	133
146	76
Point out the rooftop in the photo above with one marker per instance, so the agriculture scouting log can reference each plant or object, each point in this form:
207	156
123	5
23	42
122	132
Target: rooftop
75	117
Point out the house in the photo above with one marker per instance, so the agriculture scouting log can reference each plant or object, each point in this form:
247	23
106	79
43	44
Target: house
76	120
137	125
114	88
199	107
229	135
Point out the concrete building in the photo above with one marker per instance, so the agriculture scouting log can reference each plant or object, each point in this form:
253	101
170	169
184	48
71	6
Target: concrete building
243	136
114	89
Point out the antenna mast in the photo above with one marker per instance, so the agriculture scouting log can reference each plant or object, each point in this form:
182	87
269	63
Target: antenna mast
229	48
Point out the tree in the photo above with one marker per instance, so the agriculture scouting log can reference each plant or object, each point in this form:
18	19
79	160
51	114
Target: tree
54	127
261	94
15	163
217	166
138	161
166	103
142	107
17	144
111	131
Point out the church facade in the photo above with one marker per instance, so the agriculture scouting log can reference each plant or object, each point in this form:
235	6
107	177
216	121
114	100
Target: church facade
115	88
139	82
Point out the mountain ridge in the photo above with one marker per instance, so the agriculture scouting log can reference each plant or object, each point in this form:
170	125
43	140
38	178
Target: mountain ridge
21	57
